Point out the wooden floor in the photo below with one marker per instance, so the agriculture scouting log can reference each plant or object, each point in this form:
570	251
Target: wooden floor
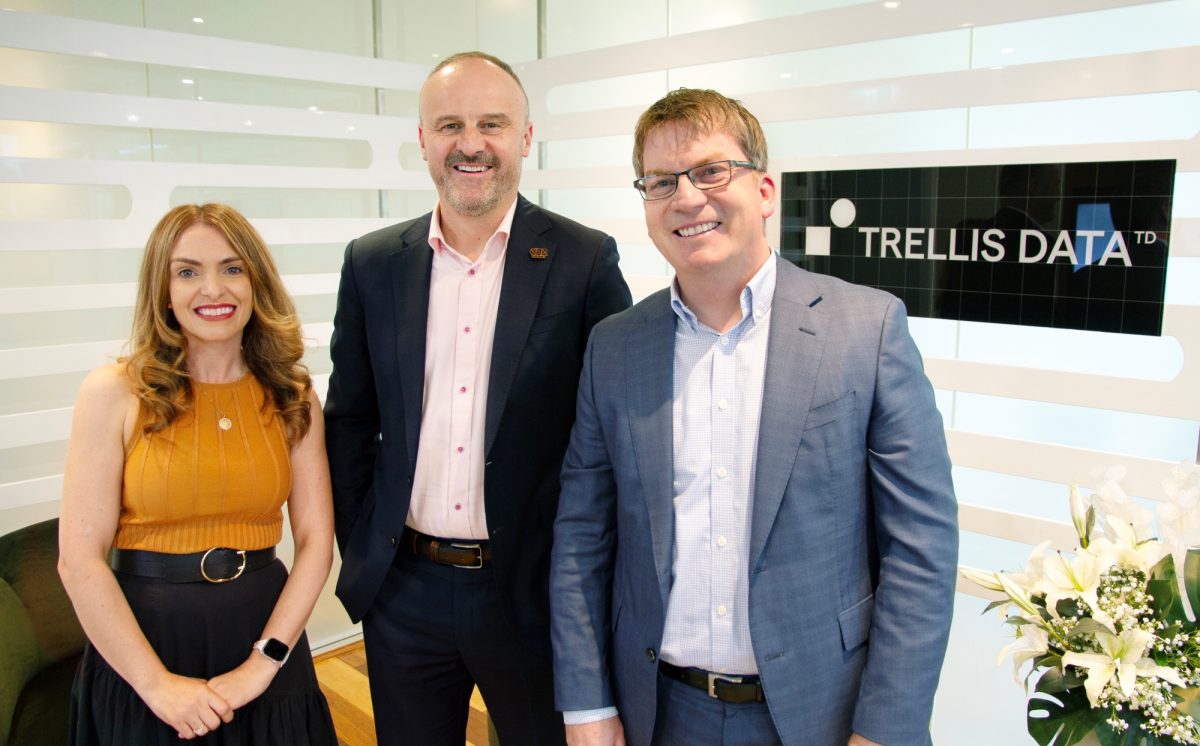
342	674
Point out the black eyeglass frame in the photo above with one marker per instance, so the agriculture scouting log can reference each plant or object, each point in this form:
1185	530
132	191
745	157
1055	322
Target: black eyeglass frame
640	184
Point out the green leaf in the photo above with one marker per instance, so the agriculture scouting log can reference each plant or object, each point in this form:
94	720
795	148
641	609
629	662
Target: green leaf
1062	720
1055	681
1162	586
1088	626
993	605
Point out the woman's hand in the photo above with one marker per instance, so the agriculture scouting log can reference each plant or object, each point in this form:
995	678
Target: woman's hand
244	683
188	705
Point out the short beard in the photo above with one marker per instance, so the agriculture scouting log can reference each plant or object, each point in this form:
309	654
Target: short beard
504	182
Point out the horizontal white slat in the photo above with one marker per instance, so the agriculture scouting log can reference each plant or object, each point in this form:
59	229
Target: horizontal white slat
30	428
25	362
833	27
1060	80
27	235
30	492
385	174
61	35
121	294
1178	398
1050	462
1017	527
386	133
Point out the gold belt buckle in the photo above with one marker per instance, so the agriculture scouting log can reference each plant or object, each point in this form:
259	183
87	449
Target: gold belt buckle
241	569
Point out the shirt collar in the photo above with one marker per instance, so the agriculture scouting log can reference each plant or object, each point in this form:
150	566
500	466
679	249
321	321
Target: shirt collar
437	239
755	298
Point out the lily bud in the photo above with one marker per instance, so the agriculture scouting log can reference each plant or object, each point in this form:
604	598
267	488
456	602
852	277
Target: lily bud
1082	515
983	579
1018	595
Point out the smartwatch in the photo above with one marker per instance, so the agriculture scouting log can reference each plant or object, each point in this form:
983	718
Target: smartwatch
273	650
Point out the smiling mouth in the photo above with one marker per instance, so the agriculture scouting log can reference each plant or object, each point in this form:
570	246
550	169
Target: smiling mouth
215	313
469	168
696	230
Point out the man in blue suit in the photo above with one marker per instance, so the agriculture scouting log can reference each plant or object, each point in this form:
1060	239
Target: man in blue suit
756	539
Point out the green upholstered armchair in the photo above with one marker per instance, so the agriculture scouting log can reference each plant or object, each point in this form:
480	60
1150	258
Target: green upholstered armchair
40	639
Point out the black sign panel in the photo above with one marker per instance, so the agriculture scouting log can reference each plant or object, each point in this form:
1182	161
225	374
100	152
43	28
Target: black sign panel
1068	245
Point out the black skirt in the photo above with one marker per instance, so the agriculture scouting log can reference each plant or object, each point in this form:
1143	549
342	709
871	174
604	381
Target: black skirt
202	630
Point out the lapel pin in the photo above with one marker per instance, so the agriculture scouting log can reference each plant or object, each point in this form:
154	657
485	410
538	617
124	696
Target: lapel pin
539	253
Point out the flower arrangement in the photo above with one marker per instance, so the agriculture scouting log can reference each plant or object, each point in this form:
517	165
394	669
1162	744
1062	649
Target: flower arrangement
1111	628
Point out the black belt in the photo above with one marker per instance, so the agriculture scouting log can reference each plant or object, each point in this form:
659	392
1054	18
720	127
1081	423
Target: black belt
468	554
731	689
216	565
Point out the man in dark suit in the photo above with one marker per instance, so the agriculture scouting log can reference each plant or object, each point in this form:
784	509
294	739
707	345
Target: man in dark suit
756	540
456	350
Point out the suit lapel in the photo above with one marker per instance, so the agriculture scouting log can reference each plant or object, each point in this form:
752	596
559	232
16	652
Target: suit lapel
411	266
794	349
651	353
520	293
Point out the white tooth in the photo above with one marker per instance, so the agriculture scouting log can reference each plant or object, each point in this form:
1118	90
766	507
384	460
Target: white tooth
696	229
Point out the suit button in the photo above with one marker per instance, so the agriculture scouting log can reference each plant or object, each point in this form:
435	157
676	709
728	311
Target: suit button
651	654
392	540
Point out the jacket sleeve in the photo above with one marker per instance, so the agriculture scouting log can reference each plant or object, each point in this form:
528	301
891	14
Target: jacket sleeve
916	528
581	565
351	408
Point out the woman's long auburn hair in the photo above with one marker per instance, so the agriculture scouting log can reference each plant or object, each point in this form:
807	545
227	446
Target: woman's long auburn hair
271	342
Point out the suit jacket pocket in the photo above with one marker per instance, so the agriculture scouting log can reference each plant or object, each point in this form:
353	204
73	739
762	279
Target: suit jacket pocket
823	414
543	324
855	623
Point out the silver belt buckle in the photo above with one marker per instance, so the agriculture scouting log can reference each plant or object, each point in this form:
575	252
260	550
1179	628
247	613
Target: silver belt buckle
713	678
478	556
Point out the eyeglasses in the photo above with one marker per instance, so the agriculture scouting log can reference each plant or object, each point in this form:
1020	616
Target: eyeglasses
705	176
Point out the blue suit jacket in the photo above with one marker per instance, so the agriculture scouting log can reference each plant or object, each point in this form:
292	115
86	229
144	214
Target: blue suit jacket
549	303
854	536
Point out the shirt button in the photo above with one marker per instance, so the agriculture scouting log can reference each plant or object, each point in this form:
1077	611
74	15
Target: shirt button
458	506
462	389
722	472
724	341
466	330
471	272
721	541
721	610
459	449
722	405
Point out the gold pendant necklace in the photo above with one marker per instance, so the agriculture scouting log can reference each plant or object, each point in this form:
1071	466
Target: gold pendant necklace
223	422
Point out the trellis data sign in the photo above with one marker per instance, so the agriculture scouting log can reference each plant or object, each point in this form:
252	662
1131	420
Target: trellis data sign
1069	245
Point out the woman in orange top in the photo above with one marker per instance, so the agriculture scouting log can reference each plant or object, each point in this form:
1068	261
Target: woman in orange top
180	459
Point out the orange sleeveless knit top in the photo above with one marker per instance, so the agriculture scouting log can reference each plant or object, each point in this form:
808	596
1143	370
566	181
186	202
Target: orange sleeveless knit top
195	485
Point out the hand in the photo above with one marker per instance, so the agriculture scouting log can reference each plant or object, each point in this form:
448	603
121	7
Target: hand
188	705
607	732
857	740
244	683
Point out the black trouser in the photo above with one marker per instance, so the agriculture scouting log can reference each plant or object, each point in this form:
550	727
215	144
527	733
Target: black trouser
435	631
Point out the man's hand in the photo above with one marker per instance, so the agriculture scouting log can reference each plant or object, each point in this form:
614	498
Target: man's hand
607	732
857	740
246	682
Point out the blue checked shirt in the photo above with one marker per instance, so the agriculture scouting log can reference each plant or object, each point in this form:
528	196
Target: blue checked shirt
718	380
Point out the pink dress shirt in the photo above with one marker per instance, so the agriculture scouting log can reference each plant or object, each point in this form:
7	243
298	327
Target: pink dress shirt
447	498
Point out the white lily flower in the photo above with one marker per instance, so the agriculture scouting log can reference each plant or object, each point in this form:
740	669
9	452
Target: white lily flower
1064	578
1110	499
1122	661
1120	545
1031	642
1179	523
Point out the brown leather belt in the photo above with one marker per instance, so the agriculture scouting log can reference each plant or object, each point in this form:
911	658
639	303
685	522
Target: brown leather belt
731	689
468	554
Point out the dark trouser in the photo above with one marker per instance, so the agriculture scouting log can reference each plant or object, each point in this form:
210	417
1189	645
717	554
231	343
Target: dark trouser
687	715
435	631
